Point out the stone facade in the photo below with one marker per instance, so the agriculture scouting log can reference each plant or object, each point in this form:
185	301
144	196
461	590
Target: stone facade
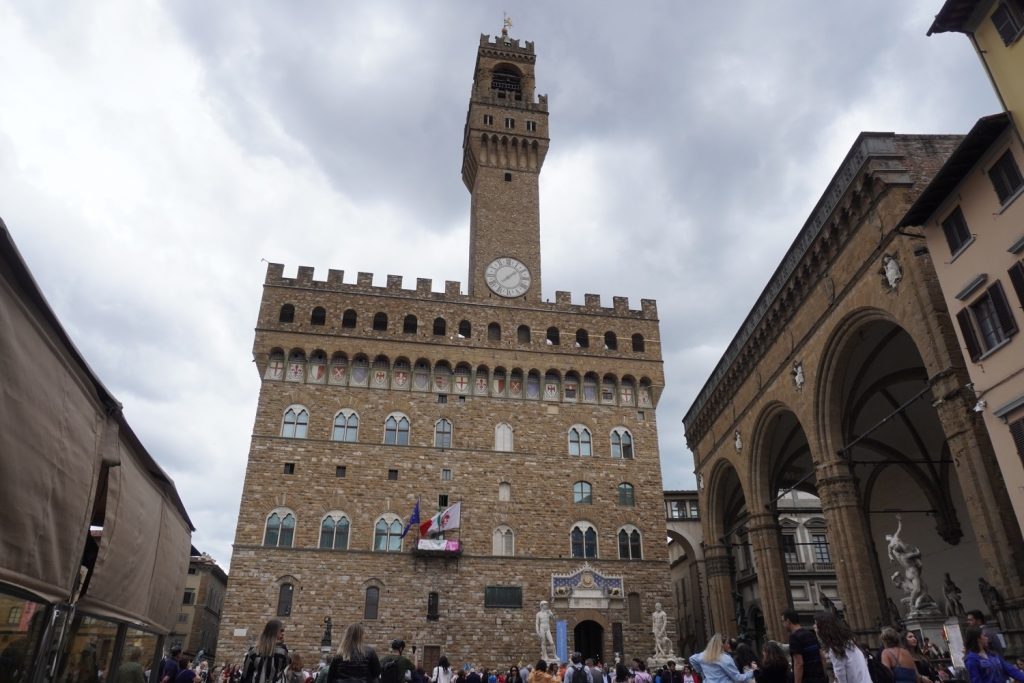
846	381
199	619
475	361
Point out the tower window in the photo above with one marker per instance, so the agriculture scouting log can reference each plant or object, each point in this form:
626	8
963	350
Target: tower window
510	123
318	317
1006	177
287	314
348	319
440	327
340	471
531	126
410	324
289	468
392	475
465	329
488	120
380	322
508	177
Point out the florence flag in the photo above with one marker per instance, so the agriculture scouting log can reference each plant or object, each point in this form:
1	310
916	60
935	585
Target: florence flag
448	518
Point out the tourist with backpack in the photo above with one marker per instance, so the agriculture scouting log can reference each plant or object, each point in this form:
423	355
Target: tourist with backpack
576	673
268	660
396	667
355	661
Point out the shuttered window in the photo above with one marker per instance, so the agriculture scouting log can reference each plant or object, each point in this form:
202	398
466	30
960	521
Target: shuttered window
1017	432
1007	21
987	322
1017	278
956	231
1005	177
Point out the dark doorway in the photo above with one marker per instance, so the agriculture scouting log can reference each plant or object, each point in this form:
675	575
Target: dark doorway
588	637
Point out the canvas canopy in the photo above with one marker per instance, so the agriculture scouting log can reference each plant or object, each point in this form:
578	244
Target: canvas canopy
58	426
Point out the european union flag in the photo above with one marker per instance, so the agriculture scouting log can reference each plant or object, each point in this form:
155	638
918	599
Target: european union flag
414	518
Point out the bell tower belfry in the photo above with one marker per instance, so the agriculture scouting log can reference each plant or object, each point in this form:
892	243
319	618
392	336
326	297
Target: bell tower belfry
506	139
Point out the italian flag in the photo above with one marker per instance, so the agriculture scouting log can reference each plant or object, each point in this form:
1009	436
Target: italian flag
448	518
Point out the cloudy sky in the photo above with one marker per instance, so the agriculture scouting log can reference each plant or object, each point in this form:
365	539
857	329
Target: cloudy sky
153	155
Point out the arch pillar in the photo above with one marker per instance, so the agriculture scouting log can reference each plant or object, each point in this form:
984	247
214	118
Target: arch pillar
997	534
772	578
718	565
850	537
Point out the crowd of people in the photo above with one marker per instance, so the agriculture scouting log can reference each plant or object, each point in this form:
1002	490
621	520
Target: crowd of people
832	645
827	652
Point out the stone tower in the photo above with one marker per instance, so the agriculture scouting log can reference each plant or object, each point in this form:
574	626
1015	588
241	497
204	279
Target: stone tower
504	145
537	417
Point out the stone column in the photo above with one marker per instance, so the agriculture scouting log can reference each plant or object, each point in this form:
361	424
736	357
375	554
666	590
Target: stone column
998	537
772	578
718	565
853	553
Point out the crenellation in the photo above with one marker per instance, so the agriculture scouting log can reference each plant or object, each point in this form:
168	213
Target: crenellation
335	277
649	307
275	273
304	275
564	298
394	282
424	285
620	304
507	44
364	279
592	300
452	288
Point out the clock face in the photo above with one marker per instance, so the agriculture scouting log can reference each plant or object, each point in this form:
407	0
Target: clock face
507	277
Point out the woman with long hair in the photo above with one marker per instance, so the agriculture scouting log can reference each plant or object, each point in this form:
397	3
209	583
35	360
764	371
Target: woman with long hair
714	665
774	666
514	676
622	673
913	646
743	655
899	661
442	672
848	661
268	660
354	658
983	665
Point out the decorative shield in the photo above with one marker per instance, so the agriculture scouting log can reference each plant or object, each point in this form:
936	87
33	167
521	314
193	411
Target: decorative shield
401	379
380	378
420	381
441	382
481	386
626	396
275	370
461	383
645	397
360	373
515	387
317	373
550	390
498	384
295	372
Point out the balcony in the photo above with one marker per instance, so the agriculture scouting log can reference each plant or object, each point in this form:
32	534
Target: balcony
829	567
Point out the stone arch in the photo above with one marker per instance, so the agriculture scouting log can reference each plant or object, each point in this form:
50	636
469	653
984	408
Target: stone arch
779	448
726	504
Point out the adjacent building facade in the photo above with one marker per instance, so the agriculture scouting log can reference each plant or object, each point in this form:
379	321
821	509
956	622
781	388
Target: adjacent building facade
198	619
537	417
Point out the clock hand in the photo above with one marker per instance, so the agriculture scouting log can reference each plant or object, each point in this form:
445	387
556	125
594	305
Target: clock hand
504	280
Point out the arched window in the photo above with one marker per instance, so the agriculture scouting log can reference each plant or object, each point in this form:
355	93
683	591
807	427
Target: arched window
626	496
284	600
410	324
611	342
622	443
280	529
440	327
443	434
503	437
287	314
552	337
296	422
319	316
348	319
494	332
582	339
579	441
380	322
346	426
582	493
503	542
504	491
465	330
638	343
334	531
371	604
523	334
629	544
583	539
387	534
396	430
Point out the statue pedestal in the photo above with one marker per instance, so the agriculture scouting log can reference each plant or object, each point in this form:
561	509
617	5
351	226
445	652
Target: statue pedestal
654	662
953	637
930	627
